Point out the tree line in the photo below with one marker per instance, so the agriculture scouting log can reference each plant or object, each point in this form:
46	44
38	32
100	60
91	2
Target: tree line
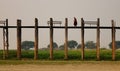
72	44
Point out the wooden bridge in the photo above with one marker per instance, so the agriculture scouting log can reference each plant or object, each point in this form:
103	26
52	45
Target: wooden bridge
5	28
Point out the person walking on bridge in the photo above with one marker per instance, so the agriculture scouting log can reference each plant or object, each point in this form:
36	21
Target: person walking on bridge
75	22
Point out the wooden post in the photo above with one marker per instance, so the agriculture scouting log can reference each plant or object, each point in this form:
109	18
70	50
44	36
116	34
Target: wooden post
66	39
36	40
98	40
19	39
113	40
4	53
82	39
51	38
7	39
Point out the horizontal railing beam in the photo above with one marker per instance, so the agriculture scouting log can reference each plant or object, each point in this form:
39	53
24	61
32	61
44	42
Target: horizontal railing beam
61	27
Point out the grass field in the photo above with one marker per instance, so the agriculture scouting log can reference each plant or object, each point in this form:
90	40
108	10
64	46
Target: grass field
59	55
74	63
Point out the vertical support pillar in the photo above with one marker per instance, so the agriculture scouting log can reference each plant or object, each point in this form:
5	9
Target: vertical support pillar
51	38
66	39
19	39
82	39
113	40
4	52
36	40
7	39
98	40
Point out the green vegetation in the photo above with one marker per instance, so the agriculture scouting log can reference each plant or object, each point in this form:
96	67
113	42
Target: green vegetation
117	44
59	55
90	45
55	45
55	62
26	45
72	44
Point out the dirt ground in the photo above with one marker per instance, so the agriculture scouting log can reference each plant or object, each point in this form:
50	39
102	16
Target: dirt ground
65	67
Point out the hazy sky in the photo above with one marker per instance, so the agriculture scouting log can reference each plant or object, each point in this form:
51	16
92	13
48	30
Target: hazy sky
27	10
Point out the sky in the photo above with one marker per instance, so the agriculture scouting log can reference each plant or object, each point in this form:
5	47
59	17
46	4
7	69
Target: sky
28	10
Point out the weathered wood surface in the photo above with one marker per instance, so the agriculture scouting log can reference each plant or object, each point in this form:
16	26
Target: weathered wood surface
113	40
98	39
19	39
82	39
51	38
36	40
66	39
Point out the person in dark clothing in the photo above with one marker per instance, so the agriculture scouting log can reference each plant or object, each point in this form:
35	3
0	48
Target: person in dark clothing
75	22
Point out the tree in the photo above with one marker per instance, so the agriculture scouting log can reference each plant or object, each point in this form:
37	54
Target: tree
54	45
79	46
90	45
117	44
72	44
61	47
26	45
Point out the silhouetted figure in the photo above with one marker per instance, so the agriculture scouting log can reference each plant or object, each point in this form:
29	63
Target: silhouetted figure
75	22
